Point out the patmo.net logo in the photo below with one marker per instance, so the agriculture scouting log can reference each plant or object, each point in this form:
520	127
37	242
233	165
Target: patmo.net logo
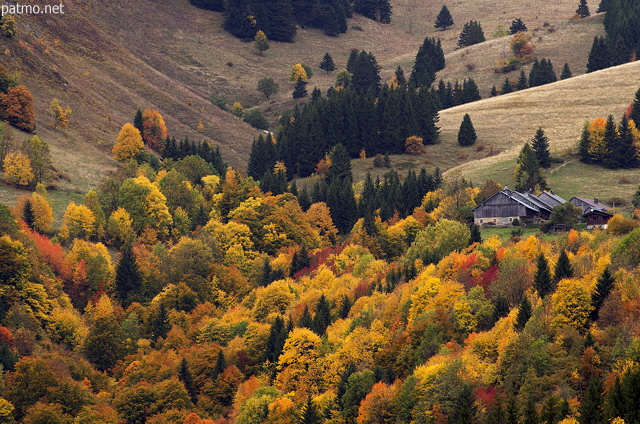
31	9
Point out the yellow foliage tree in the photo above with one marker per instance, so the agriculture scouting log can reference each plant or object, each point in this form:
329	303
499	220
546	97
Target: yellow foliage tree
597	145
42	212
120	226
300	365
17	168
298	73
571	304
129	144
319	217
60	115
78	222
414	145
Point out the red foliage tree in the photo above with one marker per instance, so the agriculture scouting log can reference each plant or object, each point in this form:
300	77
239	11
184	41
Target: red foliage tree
17	107
154	129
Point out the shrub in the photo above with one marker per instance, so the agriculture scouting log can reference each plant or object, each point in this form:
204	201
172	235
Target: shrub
218	101
256	119
619	225
516	223
414	145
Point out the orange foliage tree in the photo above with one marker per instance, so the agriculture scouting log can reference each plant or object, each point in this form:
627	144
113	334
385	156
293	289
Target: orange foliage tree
17	107
414	145
154	129
128	145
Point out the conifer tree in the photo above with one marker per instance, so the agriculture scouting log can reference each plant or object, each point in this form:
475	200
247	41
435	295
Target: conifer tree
351	61
603	288
542	277
590	409
309	413
494	91
512	415
466	133
400	78
185	376
429	60
506	87
530	415
327	63
280	25
563	268
137	121
517	26
28	216
566	72
236	19
599	57
524	313
128	279
275	342
221	365
471	34
522	81
300	89
345	307
527	172
444	19
322	317
583	9
626	147
635	109
540	145
305	320
475	237
340	165
366	74
615	152
603	6
160	325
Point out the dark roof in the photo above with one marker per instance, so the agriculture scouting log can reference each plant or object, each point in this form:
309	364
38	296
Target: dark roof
596	212
592	203
553	198
517	197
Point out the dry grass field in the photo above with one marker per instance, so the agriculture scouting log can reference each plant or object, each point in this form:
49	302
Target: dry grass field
105	61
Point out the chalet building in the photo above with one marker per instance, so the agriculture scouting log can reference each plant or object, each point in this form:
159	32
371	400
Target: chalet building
596	218
506	205
587	204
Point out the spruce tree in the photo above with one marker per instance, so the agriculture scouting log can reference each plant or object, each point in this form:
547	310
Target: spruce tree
599	57
281	22
28	215
475	237
494	91
366	73
275	342
517	26
345	307
444	19
563	268
160	324
603	6
305	320
471	34
527	172
524	313
128	279
566	72
466	133
185	376
522	81
351	61
340	168
590	410
300	89
327	63
540	145
635	109
603	288
615	157
309	413
221	365
506	87
530	415
549	412
137	121
322	317
583	9
429	60
512	415
542	277
400	78
236	21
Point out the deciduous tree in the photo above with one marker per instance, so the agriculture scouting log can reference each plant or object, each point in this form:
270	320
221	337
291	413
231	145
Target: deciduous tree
16	107
268	87
154	129
17	168
129	144
261	42
60	115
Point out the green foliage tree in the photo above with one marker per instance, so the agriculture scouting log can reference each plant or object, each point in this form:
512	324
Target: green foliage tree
466	133
104	345
471	34
268	87
38	152
566	215
444	18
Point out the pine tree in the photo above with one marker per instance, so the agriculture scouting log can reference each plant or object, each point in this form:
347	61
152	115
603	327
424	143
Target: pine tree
549	412
309	413
444	19
28	216
466	133
563	268
524	313
566	72
300	89
429	60
494	91
471	34
542	278
527	172
517	26
475	237
400	78
137	121
590	410
506	87
599	57
540	145
221	365
327	63
523	83
603	6
236	21
603	288
305	320
583	9
635	109
128	276
322	317
185	376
